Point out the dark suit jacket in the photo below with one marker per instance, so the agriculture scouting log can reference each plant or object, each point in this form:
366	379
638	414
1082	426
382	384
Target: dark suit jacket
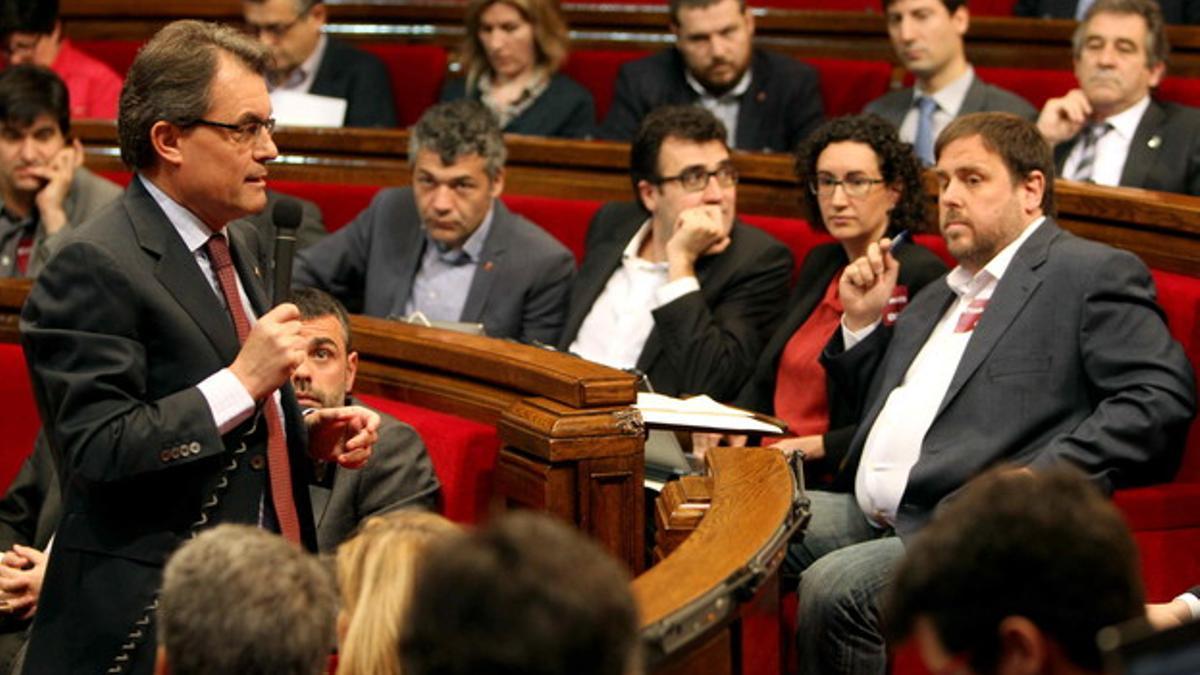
981	97
705	342
918	267
565	109
1174	11
118	330
781	107
399	475
1071	363
361	79
1164	154
519	291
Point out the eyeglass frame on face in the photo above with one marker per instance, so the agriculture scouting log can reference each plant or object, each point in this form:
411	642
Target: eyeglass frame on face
244	133
695	178
275	30
854	185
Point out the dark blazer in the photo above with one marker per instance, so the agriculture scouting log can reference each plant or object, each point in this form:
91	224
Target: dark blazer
1164	154
702	343
564	110
981	97
361	79
399	475
1071	363
519	291
1174	11
781	107
918	267
118	330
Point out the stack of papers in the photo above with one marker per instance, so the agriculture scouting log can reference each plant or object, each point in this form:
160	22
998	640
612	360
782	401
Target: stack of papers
700	412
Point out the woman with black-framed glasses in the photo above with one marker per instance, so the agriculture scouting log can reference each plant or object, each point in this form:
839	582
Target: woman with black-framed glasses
860	183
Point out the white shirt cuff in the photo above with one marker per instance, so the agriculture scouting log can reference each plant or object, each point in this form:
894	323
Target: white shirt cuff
673	290
1192	602
227	399
850	338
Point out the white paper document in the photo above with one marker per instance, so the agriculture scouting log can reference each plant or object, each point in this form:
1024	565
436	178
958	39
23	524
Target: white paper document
699	412
296	109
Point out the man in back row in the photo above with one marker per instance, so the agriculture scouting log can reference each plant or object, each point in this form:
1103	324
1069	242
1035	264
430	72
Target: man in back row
1041	349
447	246
927	36
1111	131
768	102
673	284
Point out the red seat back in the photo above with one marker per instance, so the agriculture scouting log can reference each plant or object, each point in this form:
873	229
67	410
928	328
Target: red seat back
339	202
566	219
21	420
416	72
847	85
116	54
596	70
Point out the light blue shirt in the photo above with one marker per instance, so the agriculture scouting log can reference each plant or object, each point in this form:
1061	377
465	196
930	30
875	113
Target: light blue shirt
440	288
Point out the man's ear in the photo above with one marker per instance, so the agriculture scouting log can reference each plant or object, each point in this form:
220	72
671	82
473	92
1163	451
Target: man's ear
1033	187
319	13
161	665
165	138
1024	649
351	371
648	195
498	184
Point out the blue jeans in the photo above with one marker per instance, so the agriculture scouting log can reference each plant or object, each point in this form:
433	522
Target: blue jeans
845	566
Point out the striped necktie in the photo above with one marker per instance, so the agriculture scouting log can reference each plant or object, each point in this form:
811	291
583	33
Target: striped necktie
1087	151
923	145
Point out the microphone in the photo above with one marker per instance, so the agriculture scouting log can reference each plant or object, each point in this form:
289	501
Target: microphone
286	218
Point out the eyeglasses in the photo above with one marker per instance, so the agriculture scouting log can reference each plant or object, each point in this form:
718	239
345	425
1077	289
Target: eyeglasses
243	133
275	30
695	178
855	186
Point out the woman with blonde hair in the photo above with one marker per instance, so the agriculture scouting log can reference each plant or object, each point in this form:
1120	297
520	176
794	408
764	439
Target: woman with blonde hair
374	571
510	58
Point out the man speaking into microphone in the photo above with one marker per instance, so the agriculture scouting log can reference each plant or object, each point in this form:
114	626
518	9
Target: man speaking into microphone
159	368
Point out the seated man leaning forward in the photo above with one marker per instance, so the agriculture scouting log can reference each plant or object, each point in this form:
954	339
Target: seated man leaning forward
1111	130
44	189
674	285
1039	349
447	246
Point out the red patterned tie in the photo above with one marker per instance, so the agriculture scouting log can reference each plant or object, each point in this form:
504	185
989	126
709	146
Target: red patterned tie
277	457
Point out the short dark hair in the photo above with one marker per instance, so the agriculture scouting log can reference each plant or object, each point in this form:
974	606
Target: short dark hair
171	78
1021	147
28	16
314	303
456	129
526	594
1157	47
897	164
217	591
684	122
673	7
951	5
27	92
1045	546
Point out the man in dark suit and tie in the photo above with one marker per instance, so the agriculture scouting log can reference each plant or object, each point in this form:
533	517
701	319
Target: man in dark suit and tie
1040	349
1111	131
1174	11
305	60
927	36
674	284
447	247
768	102
159	372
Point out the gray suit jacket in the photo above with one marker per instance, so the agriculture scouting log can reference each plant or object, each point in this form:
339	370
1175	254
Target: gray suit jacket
1070	363
1164	154
519	290
399	475
981	97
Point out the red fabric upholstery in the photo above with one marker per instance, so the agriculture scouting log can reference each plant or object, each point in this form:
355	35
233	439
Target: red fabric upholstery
117	54
21	421
417	73
463	452
1185	90
847	86
339	202
1038	85
566	219
596	70
796	234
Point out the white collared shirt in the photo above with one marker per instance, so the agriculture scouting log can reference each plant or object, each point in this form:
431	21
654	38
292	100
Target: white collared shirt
725	106
300	80
228	400
620	321
894	443
1113	147
949	101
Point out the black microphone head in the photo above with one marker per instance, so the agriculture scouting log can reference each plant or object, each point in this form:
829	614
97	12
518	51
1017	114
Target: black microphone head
287	214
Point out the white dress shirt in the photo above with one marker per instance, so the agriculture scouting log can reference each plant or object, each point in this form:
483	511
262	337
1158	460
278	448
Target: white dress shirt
1113	147
894	443
300	80
949	101
619	323
725	106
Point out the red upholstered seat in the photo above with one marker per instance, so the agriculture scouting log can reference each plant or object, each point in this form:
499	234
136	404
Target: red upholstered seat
117	54
417	73
339	202
566	219
847	85
596	70
21	421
